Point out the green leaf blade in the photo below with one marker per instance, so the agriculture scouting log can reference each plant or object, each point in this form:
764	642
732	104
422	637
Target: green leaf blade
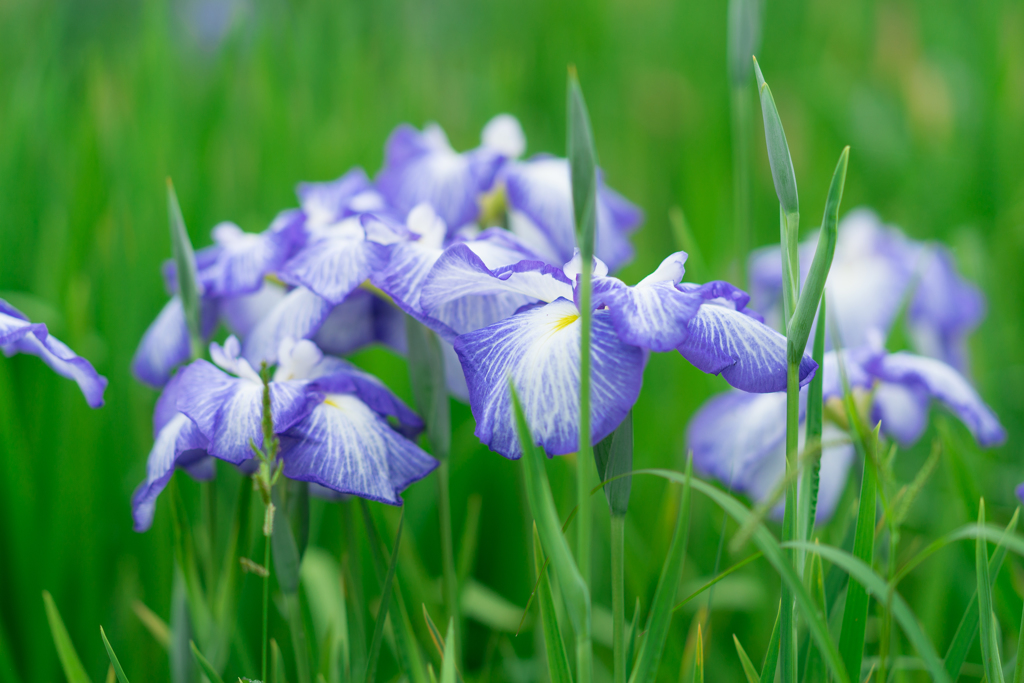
748	667
779	158
382	612
987	618
614	457
113	658
69	660
554	645
189	288
582	157
204	664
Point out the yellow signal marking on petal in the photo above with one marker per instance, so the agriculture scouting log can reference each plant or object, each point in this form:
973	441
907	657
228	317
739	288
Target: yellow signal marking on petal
565	321
331	403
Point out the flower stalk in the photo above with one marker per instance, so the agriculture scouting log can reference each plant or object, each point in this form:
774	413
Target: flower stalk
264	479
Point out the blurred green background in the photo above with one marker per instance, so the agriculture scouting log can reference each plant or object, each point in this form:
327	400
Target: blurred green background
238	101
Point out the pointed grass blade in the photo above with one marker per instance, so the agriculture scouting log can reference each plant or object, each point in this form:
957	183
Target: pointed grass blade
185	263
69	660
614	457
776	556
778	149
205	665
800	323
574	591
382	612
665	594
113	658
861	573
698	662
987	618
582	157
448	663
771	655
748	667
554	646
277	674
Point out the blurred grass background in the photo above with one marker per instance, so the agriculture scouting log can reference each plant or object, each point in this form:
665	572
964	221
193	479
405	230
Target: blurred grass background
239	101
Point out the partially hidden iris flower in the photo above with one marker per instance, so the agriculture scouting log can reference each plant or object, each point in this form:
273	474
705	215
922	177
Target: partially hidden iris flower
739	438
19	335
522	321
333	420
877	273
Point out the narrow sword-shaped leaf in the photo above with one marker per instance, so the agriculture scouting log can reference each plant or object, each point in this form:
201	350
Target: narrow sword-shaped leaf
448	664
582	157
614	456
277	674
861	573
660	618
113	658
807	306
538	492
779	158
748	667
554	646
618	557
69	660
205	665
718	577
855	611
988	628
698	662
185	263
1018	668
382	613
771	655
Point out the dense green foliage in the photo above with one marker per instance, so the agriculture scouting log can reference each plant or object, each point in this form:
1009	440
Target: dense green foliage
101	101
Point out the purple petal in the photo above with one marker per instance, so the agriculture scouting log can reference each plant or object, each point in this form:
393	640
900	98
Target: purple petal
346	378
336	261
179	442
14	325
350	325
423	167
242	313
328	202
540	198
243	260
347	447
165	344
855	363
655	313
64	362
410	261
298	316
948	386
748	354
228	410
539	349
902	410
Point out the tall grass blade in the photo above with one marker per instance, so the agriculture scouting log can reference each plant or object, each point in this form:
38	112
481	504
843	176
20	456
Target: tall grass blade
448	663
205	665
662	605
698	662
321	579
987	619
807	307
574	589
69	660
855	612
861	573
287	560
113	658
277	673
778	149
382	612
771	655
748	667
189	288
582	157
554	646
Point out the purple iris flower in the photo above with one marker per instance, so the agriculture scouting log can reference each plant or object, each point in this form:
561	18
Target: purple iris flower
332	418
739	438
877	272
18	335
535	340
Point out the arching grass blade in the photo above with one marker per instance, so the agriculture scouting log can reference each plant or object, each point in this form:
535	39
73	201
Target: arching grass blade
748	667
69	660
113	658
204	665
554	646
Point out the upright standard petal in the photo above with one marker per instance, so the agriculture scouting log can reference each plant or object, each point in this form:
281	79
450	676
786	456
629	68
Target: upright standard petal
64	362
228	410
423	167
747	353
540	202
298	316
942	382
347	447
539	348
243	259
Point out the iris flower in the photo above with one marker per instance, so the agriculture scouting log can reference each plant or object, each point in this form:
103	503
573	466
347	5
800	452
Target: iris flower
333	419
877	273
739	438
19	335
522	321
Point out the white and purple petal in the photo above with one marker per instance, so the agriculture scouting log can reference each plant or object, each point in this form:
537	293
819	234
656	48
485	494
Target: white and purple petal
242	313
336	261
64	362
178	443
944	383
902	410
14	325
299	315
165	345
539	349
345	446
324	203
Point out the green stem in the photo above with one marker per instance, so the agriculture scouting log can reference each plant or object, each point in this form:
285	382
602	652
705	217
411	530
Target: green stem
788	655
585	456
618	598
450	584
266	606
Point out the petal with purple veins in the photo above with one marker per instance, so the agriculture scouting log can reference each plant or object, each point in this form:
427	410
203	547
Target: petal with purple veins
298	316
179	442
64	362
